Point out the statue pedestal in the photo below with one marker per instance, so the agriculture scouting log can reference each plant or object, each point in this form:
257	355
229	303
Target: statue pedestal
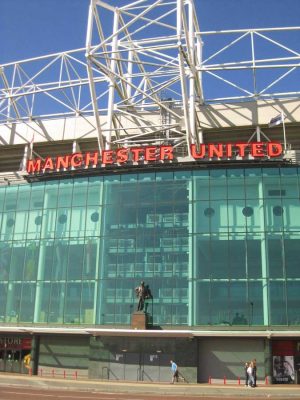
139	320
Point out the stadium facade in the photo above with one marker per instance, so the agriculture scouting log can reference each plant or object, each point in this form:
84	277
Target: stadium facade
197	197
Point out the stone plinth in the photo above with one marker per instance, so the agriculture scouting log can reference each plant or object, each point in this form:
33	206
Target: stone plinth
139	320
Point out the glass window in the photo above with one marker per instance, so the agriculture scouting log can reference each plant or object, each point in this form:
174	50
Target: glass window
292	255
21	225
3	299
72	303
219	257
63	221
2	198
202	257
87	309
219	221
92	223
46	257
51	194
34	225
255	303
293	305
23	200
65	191
236	216
237	257
75	262
48	223
42	303
291	214
90	265
27	302
8	225
254	246
255	216
10	203
275	256
37	196
5	254
56	305
218	188
274	214
106	302
202	304
236	188
278	304
219	303
60	259
95	187
77	225
79	192
239	305
13	302
31	261
17	261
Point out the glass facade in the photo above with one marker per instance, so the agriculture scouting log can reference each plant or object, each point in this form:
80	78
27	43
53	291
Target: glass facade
217	247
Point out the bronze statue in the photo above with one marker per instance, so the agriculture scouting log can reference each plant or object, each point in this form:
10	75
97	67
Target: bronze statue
143	292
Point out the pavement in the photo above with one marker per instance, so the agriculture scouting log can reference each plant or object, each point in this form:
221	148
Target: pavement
184	389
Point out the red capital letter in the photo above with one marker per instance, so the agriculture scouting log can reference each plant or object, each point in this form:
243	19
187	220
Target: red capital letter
241	148
274	149
62	162
107	157
33	166
48	164
91	157
150	154
122	155
201	152
76	160
257	150
166	153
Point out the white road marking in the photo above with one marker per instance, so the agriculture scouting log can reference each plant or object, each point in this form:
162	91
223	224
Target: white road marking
62	396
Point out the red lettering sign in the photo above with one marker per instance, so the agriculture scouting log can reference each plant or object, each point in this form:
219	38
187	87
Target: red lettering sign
156	153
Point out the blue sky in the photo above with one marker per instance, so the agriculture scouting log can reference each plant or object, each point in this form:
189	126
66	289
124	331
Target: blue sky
36	27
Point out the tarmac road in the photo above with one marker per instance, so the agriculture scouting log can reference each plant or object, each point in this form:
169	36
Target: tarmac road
13	393
14	386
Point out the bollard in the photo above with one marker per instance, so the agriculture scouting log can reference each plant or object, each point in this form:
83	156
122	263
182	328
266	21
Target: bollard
64	374
224	380
75	374
30	371
239	380
209	380
41	371
267	381
53	373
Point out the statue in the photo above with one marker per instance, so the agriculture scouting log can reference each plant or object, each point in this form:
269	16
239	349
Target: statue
143	292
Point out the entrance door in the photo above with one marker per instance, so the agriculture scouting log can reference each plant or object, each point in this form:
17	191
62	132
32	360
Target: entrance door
13	350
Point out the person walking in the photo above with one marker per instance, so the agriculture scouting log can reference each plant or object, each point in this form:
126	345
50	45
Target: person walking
250	375
175	372
246	373
254	372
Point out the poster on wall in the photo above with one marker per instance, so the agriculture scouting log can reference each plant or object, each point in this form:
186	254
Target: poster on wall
283	369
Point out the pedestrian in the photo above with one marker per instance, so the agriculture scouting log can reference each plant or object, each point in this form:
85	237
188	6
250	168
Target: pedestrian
246	373
254	372
175	372
250	375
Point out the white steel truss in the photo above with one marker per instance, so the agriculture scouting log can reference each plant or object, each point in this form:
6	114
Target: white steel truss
143	78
